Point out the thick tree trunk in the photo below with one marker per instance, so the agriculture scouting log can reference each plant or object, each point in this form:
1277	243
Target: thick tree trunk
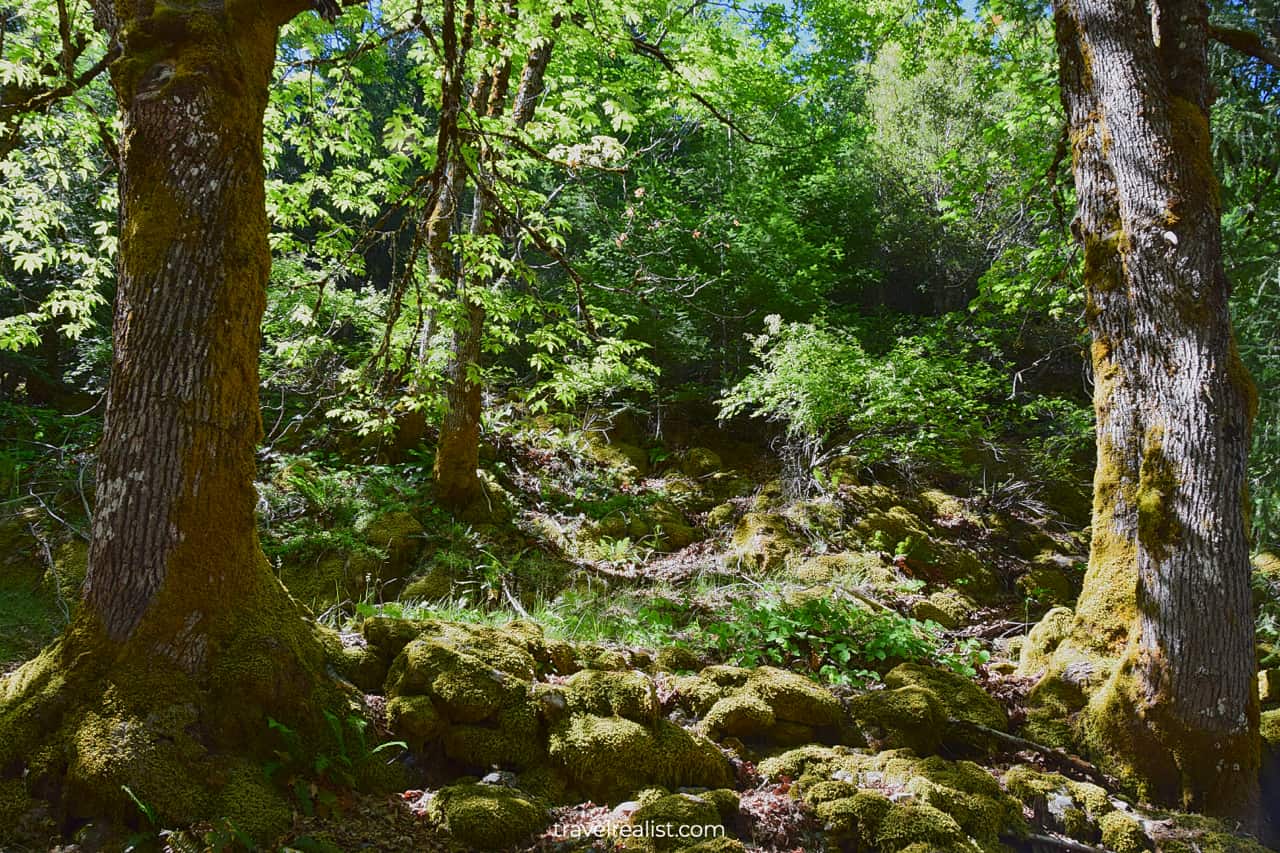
185	644
1166	598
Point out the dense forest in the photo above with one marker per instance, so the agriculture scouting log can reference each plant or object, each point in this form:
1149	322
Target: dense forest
640	425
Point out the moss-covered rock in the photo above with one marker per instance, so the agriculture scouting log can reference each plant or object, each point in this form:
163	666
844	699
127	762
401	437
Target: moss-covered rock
700	461
856	568
253	806
741	715
1047	585
696	694
905	717
960	698
487	817
964	791
674	822
511	738
947	607
907	824
676	659
761	542
632	695
398	535
1044	639
607	758
1122	833
415	720
1058	803
794	698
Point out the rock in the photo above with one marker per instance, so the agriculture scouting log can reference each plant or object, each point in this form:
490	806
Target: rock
626	461
908	824
964	791
910	717
946	607
742	715
700	461
1058	803
761	542
1269	686
960	699
676	659
399	535
690	819
1047	586
1044	639
721	515
621	694
607	758
487	817
1122	833
415	720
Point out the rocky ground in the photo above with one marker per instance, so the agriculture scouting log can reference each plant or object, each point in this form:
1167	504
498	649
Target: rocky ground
683	632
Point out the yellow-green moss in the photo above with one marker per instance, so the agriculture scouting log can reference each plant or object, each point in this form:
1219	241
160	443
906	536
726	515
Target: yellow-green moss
607	758
623	694
959	697
854	817
695	813
1159	529
964	791
910	717
1122	833
905	824
741	715
415	720
761	542
511	739
488	817
253	806
676	659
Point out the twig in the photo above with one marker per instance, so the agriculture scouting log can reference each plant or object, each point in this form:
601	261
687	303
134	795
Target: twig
1051	841
1065	761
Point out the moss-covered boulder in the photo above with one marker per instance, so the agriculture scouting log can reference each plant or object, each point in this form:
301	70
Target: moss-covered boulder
398	535
253	805
700	461
1122	833
628	694
856	568
608	758
761	542
676	659
853	820
769	704
1059	804
625	461
906	717
674	822
960	699
1047	585
964	791
487	817
905	825
947	607
1044	639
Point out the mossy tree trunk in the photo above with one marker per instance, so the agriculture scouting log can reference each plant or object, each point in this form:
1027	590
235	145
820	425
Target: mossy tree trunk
185	642
1166	597
458	452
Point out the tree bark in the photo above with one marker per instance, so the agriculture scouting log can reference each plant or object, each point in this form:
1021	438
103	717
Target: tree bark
185	643
458	451
1166	598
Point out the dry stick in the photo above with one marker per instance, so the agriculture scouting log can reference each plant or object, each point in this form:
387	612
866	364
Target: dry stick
1064	760
1060	843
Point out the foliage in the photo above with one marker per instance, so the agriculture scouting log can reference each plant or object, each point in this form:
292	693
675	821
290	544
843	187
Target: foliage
840	641
316	777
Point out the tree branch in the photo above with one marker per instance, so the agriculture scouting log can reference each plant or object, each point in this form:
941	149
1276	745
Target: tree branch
1246	42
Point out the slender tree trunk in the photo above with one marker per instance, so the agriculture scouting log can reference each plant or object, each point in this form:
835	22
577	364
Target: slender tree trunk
458	452
185	644
1166	597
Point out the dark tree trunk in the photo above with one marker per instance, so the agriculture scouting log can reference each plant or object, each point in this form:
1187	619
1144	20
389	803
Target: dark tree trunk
185	643
1166	600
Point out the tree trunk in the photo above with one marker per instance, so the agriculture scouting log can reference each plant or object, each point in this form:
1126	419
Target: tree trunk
185	643
1166	599
458	452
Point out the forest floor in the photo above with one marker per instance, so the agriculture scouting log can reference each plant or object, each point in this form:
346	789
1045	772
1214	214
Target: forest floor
681	628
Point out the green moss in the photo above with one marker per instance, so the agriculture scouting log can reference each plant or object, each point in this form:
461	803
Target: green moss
948	608
960	697
1047	585
253	806
676	659
676	813
700	461
488	817
607	758
910	717
512	739
761	542
741	715
794	698
852	567
415	720
802	761
1270	727
697	694
905	824
1044	639
1123	834
964	791
1159	529
726	803
15	805
623	694
828	790
1052	706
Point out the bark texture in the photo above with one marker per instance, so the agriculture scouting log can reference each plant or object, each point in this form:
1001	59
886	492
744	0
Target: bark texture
186	643
1166	598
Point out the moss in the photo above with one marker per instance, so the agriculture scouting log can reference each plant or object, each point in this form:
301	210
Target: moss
15	805
794	698
786	733
488	817
964	791
398	535
1123	834
415	720
253	806
1046	585
828	790
726	802
905	824
609	757
1051	707
960	698
851	567
948	608
360	665
761	542
801	761
742	715
1270	728
721	515
513	739
910	717
1044	639
676	659
700	461
1159	529
604	694
465	688
726	676
697	694
724	844
676	814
